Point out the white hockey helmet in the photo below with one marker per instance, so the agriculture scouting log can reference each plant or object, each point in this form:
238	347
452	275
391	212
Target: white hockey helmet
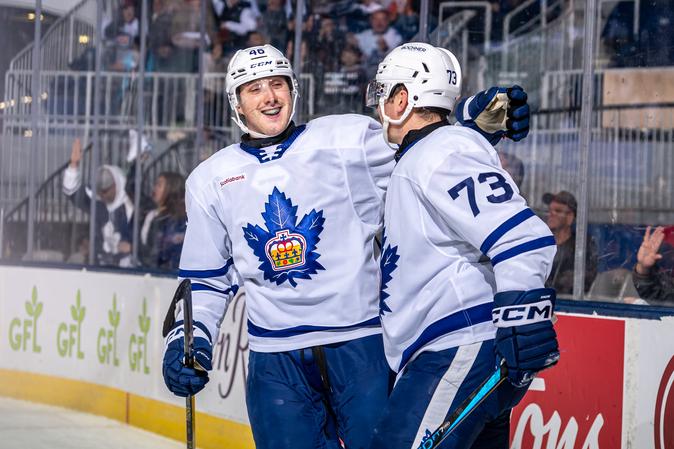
254	63
431	75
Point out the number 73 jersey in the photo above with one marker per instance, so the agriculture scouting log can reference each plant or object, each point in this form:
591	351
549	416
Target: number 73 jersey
456	232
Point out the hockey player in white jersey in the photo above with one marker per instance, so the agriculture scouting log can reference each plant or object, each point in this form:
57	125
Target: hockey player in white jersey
290	213
461	249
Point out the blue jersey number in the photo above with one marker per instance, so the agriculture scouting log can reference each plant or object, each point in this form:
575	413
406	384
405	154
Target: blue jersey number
469	185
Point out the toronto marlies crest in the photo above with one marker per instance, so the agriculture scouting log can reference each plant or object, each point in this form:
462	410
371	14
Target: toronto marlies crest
388	263
286	249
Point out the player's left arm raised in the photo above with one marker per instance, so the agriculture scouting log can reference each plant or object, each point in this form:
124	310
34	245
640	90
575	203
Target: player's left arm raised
496	113
479	201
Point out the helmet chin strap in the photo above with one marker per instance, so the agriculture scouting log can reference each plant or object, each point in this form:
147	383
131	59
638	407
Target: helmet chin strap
389	121
254	134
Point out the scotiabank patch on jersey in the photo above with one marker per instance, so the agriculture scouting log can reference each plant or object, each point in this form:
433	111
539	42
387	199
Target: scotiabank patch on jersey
286	249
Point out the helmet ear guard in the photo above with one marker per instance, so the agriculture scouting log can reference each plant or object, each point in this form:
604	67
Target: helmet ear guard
431	75
251	64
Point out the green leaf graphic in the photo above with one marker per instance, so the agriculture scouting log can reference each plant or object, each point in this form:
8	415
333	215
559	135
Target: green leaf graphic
73	309
144	320
38	309
113	314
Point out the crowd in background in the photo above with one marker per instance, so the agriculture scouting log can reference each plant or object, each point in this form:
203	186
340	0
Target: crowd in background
342	42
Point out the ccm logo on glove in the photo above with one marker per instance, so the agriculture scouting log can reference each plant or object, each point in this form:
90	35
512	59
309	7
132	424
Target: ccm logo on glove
519	315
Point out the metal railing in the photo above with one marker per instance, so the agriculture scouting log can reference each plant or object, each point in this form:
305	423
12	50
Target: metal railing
549	45
58	222
631	166
67	39
66	103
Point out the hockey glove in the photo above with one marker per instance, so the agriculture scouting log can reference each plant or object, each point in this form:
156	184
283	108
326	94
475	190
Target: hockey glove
525	338
181	380
496	112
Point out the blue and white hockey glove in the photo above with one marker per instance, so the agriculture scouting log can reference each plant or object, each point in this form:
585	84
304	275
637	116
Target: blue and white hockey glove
496	112
181	380
525	337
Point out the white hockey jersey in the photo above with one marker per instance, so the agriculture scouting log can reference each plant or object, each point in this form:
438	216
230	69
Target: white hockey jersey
295	224
450	207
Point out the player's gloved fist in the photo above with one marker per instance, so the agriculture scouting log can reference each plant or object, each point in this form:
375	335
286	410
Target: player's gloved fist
526	340
181	380
496	112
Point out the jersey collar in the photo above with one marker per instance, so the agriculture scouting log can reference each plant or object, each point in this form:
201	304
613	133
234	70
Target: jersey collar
264	150
416	135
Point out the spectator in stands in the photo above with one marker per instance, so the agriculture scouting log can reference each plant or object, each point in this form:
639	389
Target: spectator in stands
344	89
618	38
328	44
121	36
407	21
81	254
161	48
561	217
215	61
653	44
304	52
653	275
185	35
378	40
256	39
164	227
514	166
655	33
275	24
358	19
236	19
114	208
127	24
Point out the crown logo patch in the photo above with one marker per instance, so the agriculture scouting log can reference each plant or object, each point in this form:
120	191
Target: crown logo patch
286	249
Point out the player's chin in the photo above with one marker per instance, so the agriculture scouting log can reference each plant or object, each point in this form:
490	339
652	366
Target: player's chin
274	124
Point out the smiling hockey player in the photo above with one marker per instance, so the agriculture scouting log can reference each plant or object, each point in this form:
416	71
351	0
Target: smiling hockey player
291	214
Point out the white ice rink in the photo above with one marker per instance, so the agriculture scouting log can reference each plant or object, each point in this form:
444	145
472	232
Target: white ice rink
29	425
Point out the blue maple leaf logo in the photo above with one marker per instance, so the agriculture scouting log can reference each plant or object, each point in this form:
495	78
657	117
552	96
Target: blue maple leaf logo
388	263
286	249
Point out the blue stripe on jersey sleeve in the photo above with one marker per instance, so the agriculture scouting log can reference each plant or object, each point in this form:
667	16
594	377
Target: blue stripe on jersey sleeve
451	323
506	226
258	331
207	273
523	248
203	287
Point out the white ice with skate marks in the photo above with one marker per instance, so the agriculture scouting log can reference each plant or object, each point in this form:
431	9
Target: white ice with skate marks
29	425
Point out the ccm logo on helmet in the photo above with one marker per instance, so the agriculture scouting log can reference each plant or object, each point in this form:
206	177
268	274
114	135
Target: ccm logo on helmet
522	314
260	64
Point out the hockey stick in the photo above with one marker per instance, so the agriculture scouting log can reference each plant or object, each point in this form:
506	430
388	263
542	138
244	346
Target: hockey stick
184	293
467	406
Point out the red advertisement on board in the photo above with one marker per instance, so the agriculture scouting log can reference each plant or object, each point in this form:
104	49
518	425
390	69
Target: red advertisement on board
578	403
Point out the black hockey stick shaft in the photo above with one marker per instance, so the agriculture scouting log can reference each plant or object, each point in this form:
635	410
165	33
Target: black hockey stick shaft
487	387
185	289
